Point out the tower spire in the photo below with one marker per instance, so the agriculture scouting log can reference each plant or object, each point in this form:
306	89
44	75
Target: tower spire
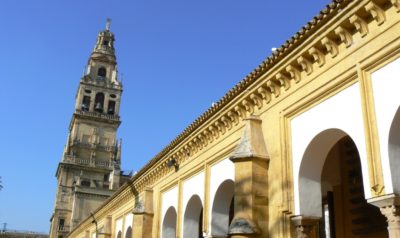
108	24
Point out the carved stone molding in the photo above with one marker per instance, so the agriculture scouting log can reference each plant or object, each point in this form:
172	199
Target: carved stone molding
273	88
257	101
240	111
376	12
249	107
318	56
227	122
360	24
305	64
283	81
234	117
345	36
396	4
264	94
330	46
294	73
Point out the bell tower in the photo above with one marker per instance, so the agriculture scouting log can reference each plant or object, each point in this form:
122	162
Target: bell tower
89	171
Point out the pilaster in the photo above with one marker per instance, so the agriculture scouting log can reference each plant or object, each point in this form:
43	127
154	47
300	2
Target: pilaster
143	215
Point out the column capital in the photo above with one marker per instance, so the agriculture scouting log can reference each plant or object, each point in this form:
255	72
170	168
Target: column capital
389	206
385	200
305	226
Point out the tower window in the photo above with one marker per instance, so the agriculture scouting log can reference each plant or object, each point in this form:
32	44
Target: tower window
61	224
105	42
111	107
85	103
101	73
99	102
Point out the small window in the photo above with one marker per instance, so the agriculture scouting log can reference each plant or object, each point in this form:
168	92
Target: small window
61	224
88	91
102	72
105	42
113	96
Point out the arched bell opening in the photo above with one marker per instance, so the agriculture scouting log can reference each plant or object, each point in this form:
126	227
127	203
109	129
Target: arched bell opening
119	234
101	73
193	218
99	102
222	209
331	188
169	224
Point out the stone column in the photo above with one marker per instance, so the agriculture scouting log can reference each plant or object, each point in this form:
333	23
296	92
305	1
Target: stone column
390	207
251	183
143	215
306	227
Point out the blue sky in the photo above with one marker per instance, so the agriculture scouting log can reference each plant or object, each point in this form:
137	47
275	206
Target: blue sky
176	57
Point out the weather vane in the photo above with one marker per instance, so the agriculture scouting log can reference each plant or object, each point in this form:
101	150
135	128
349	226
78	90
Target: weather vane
108	24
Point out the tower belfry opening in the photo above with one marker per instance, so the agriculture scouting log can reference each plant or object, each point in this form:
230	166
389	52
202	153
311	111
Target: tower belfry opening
90	167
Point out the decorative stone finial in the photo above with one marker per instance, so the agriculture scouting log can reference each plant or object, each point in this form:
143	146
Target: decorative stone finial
108	24
252	144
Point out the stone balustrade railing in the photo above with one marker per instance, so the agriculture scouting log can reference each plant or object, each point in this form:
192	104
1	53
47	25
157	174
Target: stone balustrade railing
107	148
98	115
90	162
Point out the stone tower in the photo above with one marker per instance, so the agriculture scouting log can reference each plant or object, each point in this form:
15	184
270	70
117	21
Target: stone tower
89	171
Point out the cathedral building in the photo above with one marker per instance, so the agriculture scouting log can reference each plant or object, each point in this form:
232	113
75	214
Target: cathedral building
307	145
89	171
